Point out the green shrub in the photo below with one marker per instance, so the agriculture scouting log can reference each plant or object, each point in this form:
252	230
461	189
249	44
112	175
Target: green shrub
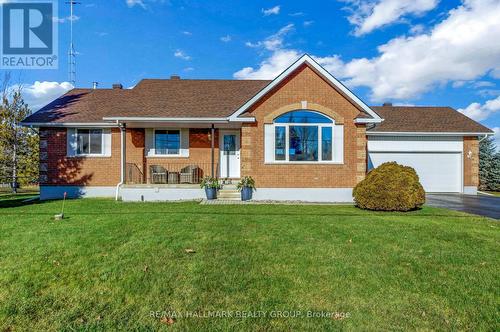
390	187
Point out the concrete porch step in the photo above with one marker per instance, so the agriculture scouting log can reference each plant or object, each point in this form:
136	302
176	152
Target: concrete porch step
229	192
229	186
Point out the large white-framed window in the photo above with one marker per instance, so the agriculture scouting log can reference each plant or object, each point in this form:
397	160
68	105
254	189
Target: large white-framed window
302	136
167	142
89	142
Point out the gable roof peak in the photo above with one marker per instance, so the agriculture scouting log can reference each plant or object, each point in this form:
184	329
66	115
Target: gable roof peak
306	58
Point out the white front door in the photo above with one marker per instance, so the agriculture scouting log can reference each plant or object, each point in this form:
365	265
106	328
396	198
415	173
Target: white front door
229	161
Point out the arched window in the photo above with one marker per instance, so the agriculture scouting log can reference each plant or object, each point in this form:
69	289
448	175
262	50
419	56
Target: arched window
302	116
303	136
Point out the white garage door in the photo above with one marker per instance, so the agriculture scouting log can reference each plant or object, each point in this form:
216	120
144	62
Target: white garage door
438	172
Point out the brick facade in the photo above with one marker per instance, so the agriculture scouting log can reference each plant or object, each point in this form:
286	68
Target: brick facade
302	89
58	169
304	85
471	161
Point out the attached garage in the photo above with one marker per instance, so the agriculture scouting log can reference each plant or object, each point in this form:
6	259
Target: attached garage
437	160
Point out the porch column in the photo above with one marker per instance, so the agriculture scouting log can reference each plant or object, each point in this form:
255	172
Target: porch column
212	142
123	138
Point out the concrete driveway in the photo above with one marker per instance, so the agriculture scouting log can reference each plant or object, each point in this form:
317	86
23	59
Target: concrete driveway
488	206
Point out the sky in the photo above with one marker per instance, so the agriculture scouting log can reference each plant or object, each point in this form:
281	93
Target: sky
408	52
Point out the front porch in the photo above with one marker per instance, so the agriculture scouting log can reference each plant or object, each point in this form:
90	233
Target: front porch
168	161
176	192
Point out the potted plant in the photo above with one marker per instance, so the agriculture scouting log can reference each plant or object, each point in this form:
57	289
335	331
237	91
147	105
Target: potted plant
246	186
211	186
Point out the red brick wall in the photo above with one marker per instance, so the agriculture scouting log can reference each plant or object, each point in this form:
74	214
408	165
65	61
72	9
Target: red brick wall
199	153
58	169
305	85
471	164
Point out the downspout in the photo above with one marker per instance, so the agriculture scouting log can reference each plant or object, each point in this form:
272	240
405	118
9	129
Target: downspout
123	151
482	139
213	149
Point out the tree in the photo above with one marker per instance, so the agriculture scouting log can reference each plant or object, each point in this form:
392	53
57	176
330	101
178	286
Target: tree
489	165
18	145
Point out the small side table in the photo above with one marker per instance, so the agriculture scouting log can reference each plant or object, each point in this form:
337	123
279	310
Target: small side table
173	177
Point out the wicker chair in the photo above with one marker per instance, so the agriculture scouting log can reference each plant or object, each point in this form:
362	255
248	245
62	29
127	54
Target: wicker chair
158	174
191	174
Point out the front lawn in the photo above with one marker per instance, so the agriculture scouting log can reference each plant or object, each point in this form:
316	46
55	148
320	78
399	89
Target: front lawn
113	265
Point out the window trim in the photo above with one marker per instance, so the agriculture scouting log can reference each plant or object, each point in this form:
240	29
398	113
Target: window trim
287	143
101	154
157	155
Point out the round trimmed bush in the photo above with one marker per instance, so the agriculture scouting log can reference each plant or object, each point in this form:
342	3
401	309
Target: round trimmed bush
390	187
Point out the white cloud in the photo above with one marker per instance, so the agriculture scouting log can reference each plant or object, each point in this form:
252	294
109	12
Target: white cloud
417	29
370	15
479	112
282	59
187	33
39	94
226	38
269	68
486	93
188	69
273	42
73	18
459	48
181	55
271	11
308	23
132	3
483	84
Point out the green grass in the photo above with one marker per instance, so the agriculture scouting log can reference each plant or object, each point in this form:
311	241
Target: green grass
496	193
22	193
110	264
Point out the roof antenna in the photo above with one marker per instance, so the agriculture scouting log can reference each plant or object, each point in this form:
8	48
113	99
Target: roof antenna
71	51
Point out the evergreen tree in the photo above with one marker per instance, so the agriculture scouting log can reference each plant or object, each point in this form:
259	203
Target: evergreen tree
18	145
489	165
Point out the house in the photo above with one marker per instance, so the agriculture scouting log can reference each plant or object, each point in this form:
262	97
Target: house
302	136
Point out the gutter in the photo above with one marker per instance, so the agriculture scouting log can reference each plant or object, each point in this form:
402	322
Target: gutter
428	133
69	124
178	120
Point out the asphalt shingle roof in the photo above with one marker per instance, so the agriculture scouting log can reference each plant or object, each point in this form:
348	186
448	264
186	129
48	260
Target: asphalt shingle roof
425	119
180	98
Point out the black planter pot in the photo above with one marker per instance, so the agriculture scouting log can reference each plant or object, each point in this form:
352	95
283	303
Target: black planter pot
211	193
246	193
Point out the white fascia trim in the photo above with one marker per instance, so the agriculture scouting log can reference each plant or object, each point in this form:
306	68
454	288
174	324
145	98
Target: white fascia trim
304	59
70	124
361	120
247	119
408	133
159	119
